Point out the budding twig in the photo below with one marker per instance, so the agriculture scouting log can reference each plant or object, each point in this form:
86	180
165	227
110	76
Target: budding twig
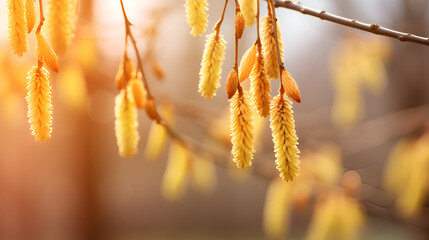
372	28
42	17
279	59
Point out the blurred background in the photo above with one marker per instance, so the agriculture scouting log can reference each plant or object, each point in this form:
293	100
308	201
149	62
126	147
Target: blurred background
361	95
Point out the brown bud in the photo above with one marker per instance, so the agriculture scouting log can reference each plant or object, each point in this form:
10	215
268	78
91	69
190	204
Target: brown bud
151	110
138	93
158	69
125	72
290	86
351	182
239	23
246	63
232	83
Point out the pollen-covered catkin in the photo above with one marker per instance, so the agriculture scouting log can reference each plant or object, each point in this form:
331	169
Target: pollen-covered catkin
260	86
17	26
30	14
284	138
61	16
126	124
269	46
246	63
242	129
45	53
211	63
248	7
39	103
196	15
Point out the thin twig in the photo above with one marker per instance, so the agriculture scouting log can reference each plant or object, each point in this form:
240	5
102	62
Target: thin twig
372	28
272	10
219	23
42	17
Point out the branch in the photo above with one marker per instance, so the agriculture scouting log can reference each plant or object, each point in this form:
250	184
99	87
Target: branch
372	28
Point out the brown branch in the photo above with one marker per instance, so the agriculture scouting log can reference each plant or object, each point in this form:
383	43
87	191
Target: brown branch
372	28
42	17
219	23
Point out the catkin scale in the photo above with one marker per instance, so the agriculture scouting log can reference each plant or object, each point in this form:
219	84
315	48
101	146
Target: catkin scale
211	63
260	86
242	129
231	83
196	15
269	46
126	124
239	24
290	86
246	63
30	15
284	138
45	53
17	26
39	103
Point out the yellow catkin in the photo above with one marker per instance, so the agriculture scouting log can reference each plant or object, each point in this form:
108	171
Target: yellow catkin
242	129
175	176
276	209
269	46
248	7
203	174
30	14
196	15
17	26
126	124
61	18
211	63
260	86
246	63
39	103
284	137
45	53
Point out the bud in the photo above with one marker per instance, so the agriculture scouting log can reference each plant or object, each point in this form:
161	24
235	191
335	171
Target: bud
239	23
138	93
290	86
151	110
232	83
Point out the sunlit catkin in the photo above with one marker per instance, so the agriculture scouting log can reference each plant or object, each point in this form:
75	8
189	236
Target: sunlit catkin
17	26
30	14
126	124
246	63
45	53
248	7
175	176
284	137
60	21
269	46
214	54
242	129
39	103
196	15
260	86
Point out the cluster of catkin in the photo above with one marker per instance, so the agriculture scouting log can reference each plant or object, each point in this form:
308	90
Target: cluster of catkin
261	64
21	20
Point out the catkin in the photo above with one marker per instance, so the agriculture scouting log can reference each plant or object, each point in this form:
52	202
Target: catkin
30	14
17	26
284	137
39	103
45	53
242	129
60	22
246	63
196	15
248	7
126	125
175	176
211	63
260	86
269	46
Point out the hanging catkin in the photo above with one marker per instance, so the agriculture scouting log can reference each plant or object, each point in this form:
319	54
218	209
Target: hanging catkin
30	14
242	129
269	46
260	86
39	103
248	7
60	21
17	26
126	124
196	15
284	137
214	54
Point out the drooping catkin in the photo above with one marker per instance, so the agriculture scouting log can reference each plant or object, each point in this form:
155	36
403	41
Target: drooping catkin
126	124
248	7
196	15
242	129
61	16
269	46
246	63
45	53
260	86
17	26
211	63
175	176
39	103
284	137
30	14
